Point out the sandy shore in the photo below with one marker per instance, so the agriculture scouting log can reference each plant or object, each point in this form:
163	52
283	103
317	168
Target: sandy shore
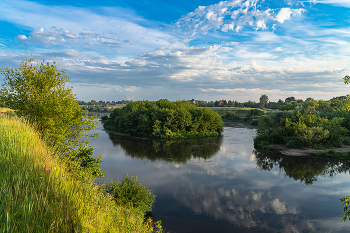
300	152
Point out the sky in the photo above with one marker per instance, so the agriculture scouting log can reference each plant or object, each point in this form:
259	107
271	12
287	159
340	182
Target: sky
207	49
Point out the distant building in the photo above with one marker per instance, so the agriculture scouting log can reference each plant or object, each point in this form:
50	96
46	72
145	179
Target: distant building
192	101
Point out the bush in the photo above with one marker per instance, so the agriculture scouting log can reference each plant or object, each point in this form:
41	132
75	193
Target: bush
231	116
104	118
300	128
129	192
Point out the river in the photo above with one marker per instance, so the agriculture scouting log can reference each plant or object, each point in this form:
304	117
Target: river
224	185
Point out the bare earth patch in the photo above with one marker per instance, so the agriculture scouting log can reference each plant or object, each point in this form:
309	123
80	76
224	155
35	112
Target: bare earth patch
305	152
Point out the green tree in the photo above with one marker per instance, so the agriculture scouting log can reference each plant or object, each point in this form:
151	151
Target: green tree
38	91
263	100
290	99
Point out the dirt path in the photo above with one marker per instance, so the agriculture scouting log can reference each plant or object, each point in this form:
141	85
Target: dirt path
299	152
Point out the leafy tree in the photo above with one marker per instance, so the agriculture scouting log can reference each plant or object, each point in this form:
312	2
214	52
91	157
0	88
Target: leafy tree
309	99
38	91
263	100
290	99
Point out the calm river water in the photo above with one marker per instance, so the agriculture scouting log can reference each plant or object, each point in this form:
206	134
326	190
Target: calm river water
224	185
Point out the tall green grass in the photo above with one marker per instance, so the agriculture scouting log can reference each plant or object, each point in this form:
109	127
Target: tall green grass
38	195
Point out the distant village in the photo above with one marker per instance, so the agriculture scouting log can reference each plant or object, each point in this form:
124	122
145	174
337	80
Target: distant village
95	105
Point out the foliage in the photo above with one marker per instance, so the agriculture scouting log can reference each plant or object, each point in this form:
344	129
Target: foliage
318	124
38	92
303	127
230	116
290	99
38	194
346	204
164	119
129	192
263	100
253	115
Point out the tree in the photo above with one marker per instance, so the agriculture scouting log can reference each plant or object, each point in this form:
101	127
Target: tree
290	99
309	99
38	92
263	100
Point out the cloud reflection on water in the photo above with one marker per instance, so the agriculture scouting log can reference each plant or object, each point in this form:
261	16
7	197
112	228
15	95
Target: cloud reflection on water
230	187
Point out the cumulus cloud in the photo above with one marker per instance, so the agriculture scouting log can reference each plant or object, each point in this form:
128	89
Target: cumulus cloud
200	70
123	53
285	14
233	15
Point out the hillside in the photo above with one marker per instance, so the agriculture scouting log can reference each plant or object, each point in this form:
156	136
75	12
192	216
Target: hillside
38	195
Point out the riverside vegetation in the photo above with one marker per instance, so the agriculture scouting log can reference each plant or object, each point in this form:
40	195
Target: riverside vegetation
317	124
39	194
164	119
46	164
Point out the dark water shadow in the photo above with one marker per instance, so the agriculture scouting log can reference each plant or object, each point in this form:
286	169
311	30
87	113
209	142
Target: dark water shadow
179	151
305	169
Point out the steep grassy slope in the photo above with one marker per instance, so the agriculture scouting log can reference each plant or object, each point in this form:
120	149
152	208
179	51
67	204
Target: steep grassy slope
38	195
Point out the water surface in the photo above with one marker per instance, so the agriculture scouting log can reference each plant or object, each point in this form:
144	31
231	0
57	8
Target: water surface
224	185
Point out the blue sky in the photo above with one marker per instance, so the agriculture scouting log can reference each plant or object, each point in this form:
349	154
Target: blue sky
209	50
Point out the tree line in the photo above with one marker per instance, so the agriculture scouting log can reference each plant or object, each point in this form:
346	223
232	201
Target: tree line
103	103
262	103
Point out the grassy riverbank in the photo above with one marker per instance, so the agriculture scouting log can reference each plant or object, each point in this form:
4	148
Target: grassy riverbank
37	194
237	114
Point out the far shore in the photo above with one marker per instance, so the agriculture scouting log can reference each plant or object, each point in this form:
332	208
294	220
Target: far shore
306	152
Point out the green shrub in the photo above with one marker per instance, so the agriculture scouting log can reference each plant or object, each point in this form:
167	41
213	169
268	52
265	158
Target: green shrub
300	128
104	118
231	116
129	192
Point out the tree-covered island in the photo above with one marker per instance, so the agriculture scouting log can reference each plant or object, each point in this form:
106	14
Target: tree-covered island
164	119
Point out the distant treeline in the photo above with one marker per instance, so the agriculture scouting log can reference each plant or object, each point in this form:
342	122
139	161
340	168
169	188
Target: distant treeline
102	103
289	103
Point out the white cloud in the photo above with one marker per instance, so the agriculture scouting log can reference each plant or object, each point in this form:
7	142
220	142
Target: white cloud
233	15
58	24
201	70
345	3
285	13
22	37
279	207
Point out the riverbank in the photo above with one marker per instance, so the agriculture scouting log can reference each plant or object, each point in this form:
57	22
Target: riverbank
37	194
309	151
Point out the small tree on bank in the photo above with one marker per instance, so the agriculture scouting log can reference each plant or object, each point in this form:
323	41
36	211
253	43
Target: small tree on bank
263	100
38	91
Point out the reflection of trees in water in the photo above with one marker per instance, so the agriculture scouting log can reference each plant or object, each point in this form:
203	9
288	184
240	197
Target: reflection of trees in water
171	151
304	168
